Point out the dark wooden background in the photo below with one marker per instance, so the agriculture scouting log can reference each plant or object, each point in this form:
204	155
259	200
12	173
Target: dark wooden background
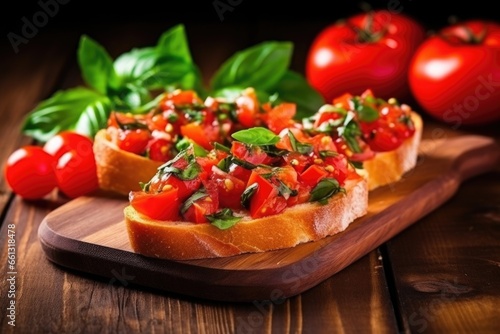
442	275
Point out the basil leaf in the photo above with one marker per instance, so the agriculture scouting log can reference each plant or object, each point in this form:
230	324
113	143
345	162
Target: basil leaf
247	195
174	43
185	143
190	172
133	64
96	65
223	219
285	190
367	113
260	66
350	132
222	148
79	109
293	87
256	136
325	189
328	153
302	148
193	198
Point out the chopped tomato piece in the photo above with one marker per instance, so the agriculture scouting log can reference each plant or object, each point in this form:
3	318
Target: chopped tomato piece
247	108
229	189
162	206
343	101
197	211
266	200
312	175
281	117
201	134
160	150
252	154
185	188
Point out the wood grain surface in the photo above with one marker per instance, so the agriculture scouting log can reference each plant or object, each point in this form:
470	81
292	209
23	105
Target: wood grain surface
416	283
89	234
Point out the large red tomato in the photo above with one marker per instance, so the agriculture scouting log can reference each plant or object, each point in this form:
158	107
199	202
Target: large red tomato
369	50
455	74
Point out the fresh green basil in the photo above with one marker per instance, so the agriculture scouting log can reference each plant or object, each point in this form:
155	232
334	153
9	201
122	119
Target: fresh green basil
260	66
297	146
367	113
96	65
325	189
293	87
247	195
128	83
350	132
223	219
79	109
256	136
192	199
174	43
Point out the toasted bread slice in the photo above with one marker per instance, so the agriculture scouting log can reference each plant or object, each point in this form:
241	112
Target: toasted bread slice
120	171
389	167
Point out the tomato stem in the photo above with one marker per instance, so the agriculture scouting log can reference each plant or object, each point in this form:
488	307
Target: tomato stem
366	34
470	36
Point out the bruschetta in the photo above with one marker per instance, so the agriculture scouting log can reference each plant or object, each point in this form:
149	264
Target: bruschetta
381	137
264	192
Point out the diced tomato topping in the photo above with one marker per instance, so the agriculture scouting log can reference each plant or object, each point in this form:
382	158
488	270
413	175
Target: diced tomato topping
266	200
162	206
229	189
160	150
281	117
203	135
312	175
254	154
247	108
197	211
134	141
343	101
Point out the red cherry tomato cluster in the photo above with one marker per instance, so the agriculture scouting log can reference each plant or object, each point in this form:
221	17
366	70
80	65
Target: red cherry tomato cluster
65	162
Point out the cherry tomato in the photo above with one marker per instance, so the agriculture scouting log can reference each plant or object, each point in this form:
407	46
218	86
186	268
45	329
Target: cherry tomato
75	167
367	50
30	172
66	141
455	74
76	173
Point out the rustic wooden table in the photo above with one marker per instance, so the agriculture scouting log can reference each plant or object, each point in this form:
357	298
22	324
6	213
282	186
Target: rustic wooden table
441	275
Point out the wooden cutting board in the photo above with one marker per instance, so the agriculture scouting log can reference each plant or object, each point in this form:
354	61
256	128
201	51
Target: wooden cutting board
88	234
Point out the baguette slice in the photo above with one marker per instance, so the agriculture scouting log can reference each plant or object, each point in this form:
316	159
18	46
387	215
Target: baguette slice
299	224
119	171
389	167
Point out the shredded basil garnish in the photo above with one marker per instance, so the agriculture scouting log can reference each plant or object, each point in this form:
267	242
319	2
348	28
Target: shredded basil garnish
302	148
193	198
325	189
247	194
223	219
